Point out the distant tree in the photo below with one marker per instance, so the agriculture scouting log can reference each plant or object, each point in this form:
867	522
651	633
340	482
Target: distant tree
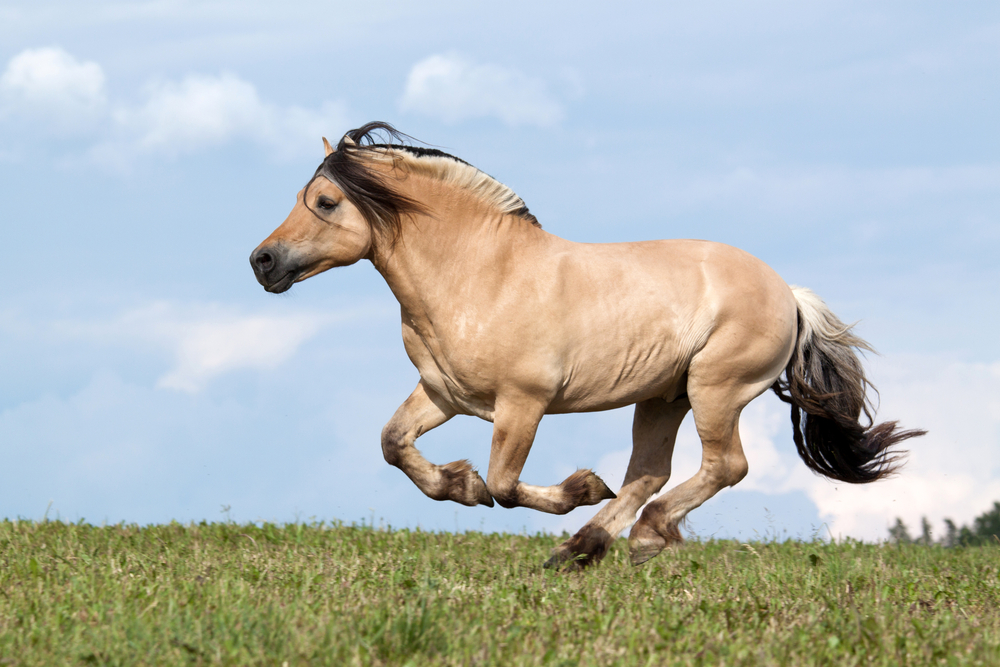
987	525
925	532
967	538
951	534
899	533
985	529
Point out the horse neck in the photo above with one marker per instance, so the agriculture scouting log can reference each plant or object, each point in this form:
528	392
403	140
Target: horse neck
456	246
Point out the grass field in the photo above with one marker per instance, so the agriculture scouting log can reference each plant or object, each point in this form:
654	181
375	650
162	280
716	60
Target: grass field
320	595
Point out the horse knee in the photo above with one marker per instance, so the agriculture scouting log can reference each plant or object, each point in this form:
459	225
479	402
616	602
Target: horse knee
392	444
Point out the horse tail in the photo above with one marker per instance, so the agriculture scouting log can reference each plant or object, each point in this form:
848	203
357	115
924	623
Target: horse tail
825	380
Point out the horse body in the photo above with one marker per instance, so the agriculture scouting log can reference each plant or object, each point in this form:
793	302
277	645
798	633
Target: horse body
585	327
507	322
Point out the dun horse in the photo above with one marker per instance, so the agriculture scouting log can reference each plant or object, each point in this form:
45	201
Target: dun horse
509	323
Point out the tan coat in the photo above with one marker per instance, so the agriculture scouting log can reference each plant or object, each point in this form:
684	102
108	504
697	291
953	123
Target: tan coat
507	322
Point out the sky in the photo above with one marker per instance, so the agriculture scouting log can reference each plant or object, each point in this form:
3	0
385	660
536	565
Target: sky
147	147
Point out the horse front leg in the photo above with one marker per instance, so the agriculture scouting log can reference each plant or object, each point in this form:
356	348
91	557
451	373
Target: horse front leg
421	412
514	426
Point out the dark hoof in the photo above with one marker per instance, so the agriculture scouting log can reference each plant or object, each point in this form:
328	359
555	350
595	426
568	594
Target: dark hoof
556	561
564	561
484	497
603	490
588	547
465	485
586	488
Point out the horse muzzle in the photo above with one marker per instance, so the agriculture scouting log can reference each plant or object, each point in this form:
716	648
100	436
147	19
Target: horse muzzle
273	268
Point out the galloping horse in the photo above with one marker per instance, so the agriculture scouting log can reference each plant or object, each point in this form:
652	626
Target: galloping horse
509	323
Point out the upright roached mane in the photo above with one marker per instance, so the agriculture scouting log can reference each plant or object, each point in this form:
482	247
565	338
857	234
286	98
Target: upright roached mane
380	202
508	323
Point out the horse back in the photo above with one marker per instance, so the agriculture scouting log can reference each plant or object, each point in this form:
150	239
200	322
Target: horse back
631	318
596	326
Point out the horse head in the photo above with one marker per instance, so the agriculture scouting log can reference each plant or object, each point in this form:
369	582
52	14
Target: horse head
325	229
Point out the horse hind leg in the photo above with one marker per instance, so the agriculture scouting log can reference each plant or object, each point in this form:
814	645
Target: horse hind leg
457	480
654	433
716	412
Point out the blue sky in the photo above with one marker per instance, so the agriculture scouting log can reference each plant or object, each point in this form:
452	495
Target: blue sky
147	147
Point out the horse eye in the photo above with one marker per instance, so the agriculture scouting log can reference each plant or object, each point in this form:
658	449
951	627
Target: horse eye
327	204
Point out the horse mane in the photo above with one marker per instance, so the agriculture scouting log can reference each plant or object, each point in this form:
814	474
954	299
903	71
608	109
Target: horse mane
350	168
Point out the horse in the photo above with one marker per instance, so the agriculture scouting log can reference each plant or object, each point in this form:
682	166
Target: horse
507	322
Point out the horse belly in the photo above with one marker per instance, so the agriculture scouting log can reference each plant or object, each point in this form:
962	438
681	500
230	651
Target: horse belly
605	382
629	330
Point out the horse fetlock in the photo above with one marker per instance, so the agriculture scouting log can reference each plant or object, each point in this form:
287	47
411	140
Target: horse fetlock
585	488
506	497
461	483
645	541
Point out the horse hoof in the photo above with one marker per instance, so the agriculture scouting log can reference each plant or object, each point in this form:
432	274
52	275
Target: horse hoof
585	549
639	554
464	485
483	496
644	543
603	492
556	561
586	488
566	562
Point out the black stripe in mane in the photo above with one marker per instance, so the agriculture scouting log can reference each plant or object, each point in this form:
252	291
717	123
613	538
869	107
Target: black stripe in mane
382	205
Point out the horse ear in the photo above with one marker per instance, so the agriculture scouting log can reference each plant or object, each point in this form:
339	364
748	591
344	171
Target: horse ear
326	145
348	141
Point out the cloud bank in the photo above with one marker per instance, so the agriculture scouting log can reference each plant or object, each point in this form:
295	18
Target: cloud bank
52	87
205	341
53	92
452	88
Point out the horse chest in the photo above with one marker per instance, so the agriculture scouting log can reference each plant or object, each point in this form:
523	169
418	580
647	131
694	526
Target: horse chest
460	379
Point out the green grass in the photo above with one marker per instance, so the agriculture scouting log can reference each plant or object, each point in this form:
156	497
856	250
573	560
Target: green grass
266	594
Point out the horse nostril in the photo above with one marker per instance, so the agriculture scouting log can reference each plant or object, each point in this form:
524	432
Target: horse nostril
264	261
267	261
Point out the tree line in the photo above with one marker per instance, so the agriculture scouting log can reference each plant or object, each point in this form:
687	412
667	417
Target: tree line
985	529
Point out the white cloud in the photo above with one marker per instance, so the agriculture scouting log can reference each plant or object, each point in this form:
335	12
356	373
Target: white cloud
50	90
202	111
953	471
452	88
211	347
50	84
196	112
207	341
